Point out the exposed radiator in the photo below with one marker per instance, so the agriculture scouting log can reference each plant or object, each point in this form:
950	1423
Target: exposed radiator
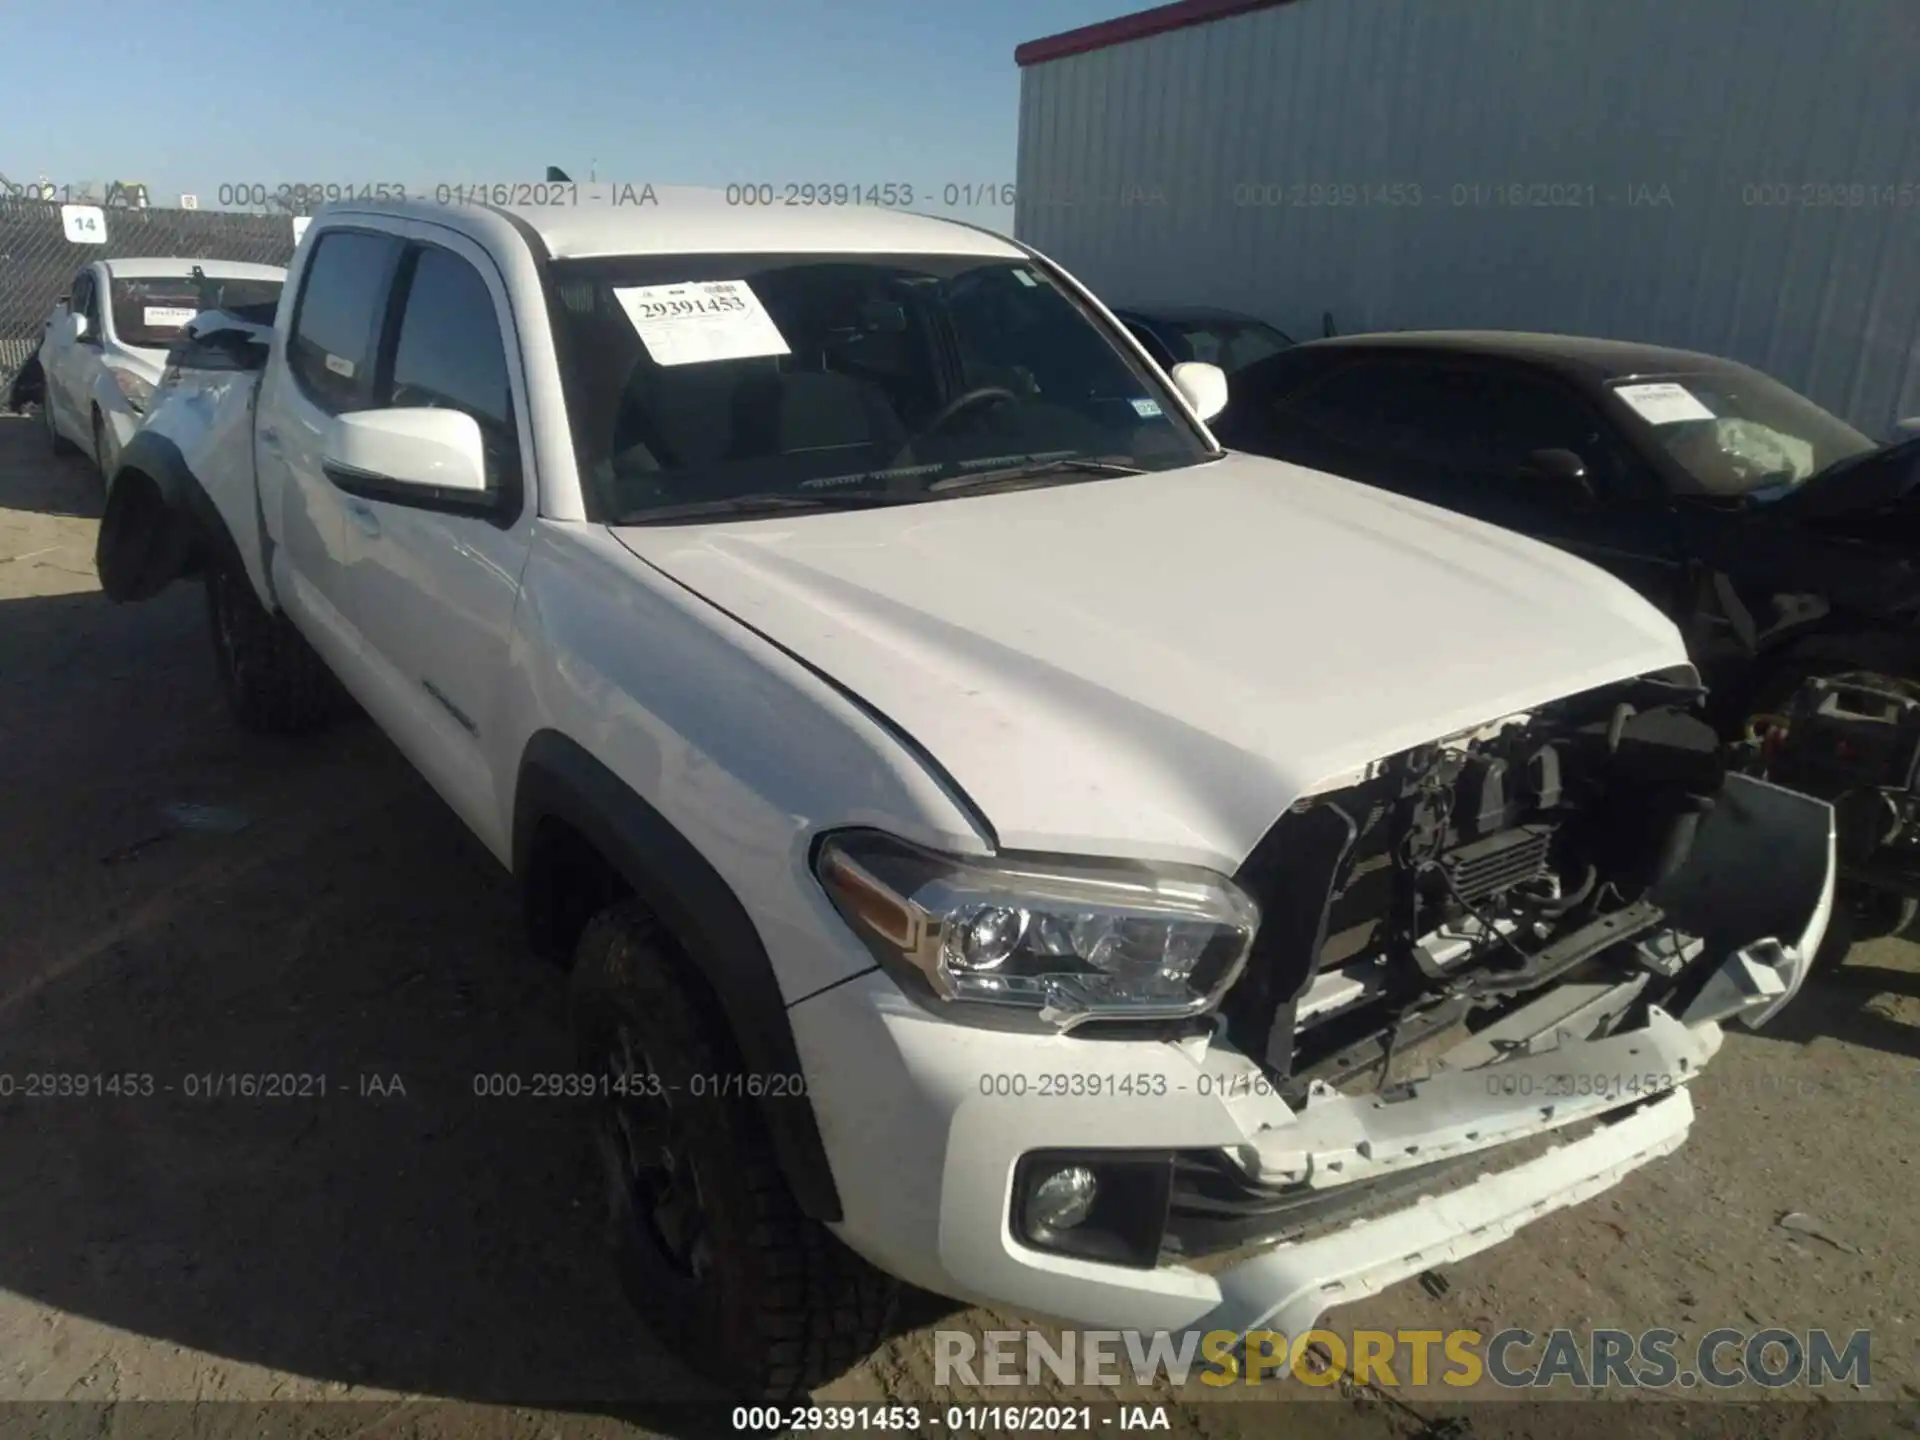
1499	862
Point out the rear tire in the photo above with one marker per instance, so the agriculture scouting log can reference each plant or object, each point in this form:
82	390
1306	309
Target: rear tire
56	442
274	682
709	1244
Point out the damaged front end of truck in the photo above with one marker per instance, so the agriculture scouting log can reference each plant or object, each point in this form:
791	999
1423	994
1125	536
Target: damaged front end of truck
1487	970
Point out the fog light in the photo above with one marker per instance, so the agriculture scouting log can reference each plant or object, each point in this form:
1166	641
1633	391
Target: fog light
1062	1200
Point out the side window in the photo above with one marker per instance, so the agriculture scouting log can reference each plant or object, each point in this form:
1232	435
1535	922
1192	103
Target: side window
336	323
449	352
1345	407
1505	416
1162	356
1478	423
1206	345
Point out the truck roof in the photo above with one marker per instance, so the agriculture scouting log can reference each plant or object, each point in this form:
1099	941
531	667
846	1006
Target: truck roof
1590	355
152	267
686	220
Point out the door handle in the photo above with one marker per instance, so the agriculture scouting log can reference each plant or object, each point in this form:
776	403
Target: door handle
270	437
364	519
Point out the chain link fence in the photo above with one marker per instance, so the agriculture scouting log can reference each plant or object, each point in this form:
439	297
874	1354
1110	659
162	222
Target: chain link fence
38	262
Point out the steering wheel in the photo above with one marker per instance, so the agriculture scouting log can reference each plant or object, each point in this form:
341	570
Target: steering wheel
959	405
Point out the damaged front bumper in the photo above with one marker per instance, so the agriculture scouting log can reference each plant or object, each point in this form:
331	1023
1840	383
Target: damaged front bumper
1269	1215
1628	1091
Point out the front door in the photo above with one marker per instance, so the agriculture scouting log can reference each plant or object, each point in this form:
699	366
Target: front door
63	351
432	588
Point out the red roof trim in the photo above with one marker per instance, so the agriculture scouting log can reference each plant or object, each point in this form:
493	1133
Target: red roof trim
1138	26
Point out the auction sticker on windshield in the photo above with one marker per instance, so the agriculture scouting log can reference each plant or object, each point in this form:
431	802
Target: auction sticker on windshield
700	321
165	317
1663	403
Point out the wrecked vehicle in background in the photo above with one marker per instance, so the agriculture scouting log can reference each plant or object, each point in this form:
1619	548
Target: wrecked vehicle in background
1231	863
1783	541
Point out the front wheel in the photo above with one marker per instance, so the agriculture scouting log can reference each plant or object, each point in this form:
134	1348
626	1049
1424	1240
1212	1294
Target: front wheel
709	1244
274	683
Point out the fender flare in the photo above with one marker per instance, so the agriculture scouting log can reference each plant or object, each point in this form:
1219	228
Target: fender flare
559	779
153	534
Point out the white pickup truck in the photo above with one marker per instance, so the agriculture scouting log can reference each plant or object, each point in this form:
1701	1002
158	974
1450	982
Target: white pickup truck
1001	841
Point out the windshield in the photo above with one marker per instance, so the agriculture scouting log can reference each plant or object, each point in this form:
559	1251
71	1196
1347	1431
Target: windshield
1231	344
697	380
148	311
1738	432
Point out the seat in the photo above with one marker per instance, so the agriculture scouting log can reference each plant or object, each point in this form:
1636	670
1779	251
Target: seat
810	411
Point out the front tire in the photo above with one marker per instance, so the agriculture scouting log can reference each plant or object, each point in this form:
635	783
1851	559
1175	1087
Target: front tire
709	1244
274	683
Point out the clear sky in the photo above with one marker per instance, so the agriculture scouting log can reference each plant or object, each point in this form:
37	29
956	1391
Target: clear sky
200	93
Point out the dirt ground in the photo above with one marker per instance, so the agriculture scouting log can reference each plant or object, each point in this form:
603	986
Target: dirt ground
180	901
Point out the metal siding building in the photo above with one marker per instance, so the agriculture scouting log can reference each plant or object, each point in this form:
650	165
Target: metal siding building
1735	176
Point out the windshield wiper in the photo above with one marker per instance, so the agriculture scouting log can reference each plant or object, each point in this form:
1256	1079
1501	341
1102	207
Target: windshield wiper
768	503
1088	465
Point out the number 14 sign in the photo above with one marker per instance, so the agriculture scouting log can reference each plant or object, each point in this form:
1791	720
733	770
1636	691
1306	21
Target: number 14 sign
84	224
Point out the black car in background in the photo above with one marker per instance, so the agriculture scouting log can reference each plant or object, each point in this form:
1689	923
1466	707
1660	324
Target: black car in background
1783	541
1176	335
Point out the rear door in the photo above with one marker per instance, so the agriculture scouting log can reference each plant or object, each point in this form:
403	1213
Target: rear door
325	368
432	588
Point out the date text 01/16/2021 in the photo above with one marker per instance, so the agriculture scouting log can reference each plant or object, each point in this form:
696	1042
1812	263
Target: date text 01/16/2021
962	1419
195	1085
1149	1085
524	194
891	194
584	1085
302	197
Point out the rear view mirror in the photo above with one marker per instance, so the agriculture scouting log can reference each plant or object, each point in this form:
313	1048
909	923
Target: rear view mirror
410	456
1202	386
1562	468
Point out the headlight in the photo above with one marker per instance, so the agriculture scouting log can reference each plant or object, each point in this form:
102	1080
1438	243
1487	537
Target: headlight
1071	940
139	392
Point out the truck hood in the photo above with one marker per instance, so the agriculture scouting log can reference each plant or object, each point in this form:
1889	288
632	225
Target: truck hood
1157	666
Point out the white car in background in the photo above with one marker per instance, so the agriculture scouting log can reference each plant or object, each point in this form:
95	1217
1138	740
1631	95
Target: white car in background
106	343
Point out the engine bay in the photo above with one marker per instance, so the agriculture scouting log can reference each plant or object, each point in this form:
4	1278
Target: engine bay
1462	876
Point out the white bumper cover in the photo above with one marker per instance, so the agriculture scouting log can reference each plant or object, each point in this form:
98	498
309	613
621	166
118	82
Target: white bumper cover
925	1121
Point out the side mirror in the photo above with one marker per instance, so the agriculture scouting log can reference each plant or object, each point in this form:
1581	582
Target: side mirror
1202	386
1558	467
414	456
